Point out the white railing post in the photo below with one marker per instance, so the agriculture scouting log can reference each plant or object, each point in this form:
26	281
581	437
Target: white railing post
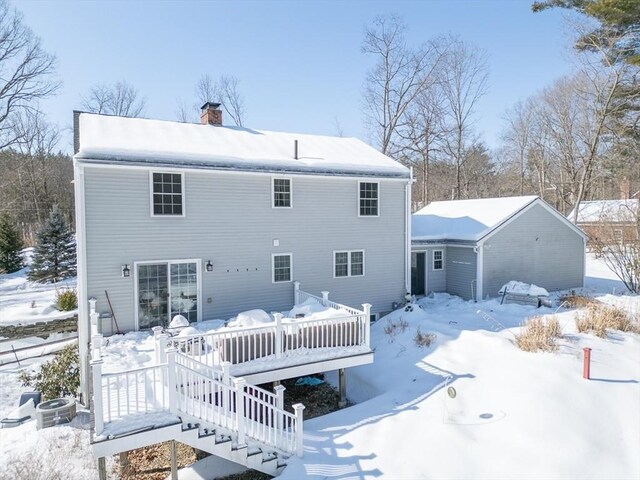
98	410
296	293
298	408
325	298
278	345
160	340
279	391
171	382
240	410
96	346
93	315
367	322
226	373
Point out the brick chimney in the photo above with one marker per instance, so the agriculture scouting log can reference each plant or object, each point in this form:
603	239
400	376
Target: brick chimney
211	114
625	189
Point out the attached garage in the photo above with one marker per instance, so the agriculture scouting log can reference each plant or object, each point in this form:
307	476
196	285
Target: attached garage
471	248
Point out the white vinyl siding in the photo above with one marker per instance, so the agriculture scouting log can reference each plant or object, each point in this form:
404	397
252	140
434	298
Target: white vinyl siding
281	264
349	263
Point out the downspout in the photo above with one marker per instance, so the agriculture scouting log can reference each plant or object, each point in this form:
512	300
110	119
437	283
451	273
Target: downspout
478	249
407	233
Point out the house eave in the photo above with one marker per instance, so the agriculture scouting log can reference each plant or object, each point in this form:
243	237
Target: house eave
229	165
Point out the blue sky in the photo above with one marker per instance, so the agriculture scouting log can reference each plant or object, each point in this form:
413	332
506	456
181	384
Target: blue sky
298	62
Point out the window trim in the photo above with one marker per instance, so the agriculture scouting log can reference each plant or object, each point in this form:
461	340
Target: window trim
348	252
360	182
273	267
273	193
182	194
433	260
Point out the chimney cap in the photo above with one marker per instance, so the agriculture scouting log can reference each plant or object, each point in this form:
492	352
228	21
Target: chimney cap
212	105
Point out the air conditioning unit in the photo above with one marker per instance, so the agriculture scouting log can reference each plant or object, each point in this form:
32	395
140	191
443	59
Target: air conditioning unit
54	412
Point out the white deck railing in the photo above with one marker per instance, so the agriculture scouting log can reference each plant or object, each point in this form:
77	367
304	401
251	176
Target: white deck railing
280	339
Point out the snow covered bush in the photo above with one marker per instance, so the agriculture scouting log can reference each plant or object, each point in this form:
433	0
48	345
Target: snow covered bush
54	257
538	334
59	377
599	318
423	339
10	246
395	327
66	299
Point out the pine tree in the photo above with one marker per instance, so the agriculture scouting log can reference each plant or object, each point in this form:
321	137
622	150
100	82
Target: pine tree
54	257
10	246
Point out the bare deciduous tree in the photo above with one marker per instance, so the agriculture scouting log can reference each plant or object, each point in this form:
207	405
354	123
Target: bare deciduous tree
26	72
464	83
397	79
119	99
225	91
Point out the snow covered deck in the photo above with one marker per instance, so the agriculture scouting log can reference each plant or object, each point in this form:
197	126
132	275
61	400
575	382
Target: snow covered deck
143	381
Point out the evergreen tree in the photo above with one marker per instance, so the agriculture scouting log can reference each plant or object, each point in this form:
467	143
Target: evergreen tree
10	246
54	257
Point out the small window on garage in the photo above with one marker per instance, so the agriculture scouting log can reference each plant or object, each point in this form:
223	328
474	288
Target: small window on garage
438	259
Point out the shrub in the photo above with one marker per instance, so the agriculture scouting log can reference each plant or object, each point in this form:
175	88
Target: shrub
58	377
393	328
599	318
423	339
577	301
538	334
66	299
54	257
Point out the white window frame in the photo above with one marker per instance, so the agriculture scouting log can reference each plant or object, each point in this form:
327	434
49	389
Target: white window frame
273	267
349	252
360	182
197	261
433	260
183	194
273	192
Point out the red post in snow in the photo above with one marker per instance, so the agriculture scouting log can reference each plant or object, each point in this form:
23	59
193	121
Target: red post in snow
586	368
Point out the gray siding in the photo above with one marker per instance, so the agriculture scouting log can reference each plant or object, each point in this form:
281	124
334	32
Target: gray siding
436	280
461	271
229	220
536	247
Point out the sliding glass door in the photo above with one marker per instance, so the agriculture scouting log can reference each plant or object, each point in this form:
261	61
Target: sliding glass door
166	289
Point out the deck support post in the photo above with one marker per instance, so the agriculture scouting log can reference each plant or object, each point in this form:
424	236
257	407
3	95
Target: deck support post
298	409
342	388
367	322
124	462
174	460
102	469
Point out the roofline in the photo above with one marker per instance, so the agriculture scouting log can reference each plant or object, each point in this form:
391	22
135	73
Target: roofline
542	203
167	165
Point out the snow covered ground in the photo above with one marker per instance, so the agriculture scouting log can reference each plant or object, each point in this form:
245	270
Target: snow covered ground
515	414
23	302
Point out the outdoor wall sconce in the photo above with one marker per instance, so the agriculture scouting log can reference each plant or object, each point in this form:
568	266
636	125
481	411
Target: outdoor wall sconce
209	266
126	271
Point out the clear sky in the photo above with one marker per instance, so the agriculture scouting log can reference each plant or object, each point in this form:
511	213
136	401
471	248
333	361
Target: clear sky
299	62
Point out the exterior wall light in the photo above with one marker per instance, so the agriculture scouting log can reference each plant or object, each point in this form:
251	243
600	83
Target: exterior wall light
126	271
209	266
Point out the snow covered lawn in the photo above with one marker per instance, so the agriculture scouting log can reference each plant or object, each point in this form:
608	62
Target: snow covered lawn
23	302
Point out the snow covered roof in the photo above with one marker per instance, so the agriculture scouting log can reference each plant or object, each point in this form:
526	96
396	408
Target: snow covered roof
112	139
465	220
606	210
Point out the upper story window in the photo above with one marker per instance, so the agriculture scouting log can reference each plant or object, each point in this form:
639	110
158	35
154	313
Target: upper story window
281	192
368	196
167	194
438	259
281	267
348	263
